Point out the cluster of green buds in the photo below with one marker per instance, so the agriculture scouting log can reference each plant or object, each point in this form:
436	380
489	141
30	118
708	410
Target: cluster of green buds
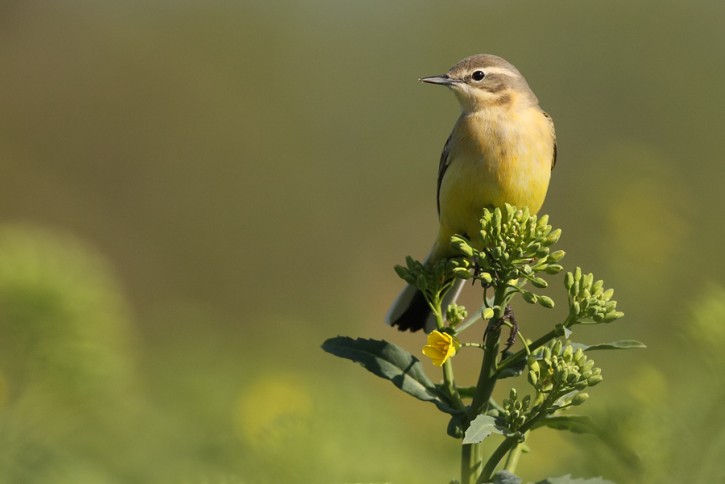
432	280
589	302
515	411
455	314
557	371
512	244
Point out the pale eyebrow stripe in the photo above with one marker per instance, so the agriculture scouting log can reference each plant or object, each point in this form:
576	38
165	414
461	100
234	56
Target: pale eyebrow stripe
499	70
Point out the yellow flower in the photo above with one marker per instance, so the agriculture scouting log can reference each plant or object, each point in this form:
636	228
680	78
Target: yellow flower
440	347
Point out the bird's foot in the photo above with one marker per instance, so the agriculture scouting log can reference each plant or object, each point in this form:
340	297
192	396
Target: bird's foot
508	315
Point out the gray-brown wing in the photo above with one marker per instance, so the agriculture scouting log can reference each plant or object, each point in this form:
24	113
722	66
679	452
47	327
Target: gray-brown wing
442	167
553	133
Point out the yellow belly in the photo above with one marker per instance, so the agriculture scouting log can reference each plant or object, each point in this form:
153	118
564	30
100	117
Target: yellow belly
494	159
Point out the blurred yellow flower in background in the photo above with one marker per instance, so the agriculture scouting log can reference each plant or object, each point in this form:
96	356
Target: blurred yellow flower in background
441	346
274	410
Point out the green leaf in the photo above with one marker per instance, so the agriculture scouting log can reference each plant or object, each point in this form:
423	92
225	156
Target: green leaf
624	344
567	479
455	426
481	427
505	477
391	362
579	424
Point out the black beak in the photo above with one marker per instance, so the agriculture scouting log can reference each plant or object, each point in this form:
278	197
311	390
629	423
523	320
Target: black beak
442	79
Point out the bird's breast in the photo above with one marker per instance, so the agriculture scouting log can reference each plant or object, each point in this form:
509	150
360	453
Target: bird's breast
496	157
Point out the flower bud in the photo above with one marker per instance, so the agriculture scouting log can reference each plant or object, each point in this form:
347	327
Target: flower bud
609	307
568	352
556	349
568	280
553	237
462	273
576	307
404	274
563	374
587	280
421	283
594	379
546	302
556	256
539	282
579	398
455	314
485	277
553	268
608	318
461	245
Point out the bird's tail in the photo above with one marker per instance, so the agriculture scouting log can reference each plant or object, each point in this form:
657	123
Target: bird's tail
410	311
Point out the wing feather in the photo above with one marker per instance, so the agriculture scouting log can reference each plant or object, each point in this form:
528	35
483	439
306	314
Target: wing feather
553	133
442	167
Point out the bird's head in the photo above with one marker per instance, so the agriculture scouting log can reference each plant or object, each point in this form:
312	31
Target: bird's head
484	81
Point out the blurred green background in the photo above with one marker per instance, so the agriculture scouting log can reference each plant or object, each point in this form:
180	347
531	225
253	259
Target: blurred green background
194	195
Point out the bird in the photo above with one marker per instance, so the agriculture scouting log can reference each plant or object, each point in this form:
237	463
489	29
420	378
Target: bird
502	150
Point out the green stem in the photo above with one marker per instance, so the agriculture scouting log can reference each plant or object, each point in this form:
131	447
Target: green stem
448	378
438	313
471	345
470	463
512	460
450	383
487	377
498	454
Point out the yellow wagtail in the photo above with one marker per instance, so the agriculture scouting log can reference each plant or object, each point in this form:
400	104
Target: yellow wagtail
501	150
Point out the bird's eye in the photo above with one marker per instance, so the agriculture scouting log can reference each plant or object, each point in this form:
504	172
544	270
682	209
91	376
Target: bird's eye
478	75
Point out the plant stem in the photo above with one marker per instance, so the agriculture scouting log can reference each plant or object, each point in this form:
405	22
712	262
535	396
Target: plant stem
470	463
450	384
470	458
448	378
487	377
513	458
498	454
472	345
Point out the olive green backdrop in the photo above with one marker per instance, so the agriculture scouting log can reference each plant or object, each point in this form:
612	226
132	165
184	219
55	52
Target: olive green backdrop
194	195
